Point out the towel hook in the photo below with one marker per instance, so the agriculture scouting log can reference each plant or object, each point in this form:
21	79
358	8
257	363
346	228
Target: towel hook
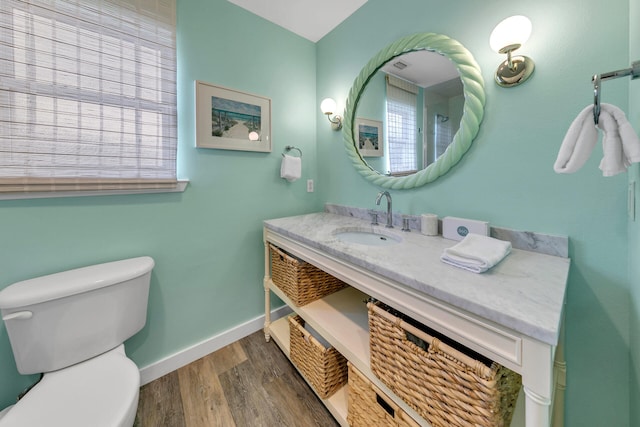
633	71
596	98
291	147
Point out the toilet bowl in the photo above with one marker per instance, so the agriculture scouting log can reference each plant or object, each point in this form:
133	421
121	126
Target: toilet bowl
71	326
102	391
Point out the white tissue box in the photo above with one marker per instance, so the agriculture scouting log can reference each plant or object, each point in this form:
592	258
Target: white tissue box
457	228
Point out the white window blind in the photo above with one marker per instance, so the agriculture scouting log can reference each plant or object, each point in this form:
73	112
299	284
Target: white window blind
401	126
87	95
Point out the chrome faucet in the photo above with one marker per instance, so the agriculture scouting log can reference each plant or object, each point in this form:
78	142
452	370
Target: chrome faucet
389	214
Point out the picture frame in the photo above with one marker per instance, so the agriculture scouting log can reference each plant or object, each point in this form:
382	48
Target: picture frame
370	139
228	119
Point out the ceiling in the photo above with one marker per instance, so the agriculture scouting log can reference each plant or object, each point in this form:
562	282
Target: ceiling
424	68
311	19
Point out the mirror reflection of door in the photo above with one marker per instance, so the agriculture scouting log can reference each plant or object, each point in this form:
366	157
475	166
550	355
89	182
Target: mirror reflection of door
443	107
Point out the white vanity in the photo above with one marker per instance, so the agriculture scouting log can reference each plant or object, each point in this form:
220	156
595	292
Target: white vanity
511	314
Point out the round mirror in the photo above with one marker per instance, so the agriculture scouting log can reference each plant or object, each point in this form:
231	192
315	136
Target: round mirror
412	123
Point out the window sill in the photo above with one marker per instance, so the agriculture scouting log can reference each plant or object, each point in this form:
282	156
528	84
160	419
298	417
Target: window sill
182	185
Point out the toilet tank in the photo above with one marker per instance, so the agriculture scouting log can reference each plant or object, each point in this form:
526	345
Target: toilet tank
61	319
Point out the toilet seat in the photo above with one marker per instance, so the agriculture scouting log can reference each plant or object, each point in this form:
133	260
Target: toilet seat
102	391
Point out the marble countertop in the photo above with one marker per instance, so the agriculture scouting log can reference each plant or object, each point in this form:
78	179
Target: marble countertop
524	292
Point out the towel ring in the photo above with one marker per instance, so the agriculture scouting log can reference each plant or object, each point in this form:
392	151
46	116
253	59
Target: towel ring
596	98
633	71
291	147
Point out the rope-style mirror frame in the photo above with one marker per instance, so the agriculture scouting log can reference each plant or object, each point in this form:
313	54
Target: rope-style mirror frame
473	110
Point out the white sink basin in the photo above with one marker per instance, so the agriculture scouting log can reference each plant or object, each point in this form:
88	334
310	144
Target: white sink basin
367	237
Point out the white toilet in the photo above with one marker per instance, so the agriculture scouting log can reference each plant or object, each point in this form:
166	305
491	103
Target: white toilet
71	326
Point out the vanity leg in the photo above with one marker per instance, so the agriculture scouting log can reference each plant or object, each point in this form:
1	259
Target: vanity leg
267	292
537	409
267	312
560	374
538	382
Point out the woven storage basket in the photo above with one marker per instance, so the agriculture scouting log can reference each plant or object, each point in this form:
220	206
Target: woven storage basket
324	368
445	385
369	407
299	280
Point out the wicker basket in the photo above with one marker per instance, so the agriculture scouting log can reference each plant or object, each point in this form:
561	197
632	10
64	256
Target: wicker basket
324	368
447	386
368	406
299	280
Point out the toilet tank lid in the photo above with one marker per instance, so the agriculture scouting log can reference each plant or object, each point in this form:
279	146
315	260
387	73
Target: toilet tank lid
71	282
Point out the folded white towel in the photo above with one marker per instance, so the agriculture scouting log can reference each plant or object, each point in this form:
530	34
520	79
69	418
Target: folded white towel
620	144
628	136
476	253
291	168
578	143
614	161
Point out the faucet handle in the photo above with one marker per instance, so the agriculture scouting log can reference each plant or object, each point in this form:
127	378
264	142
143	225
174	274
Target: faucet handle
374	217
405	223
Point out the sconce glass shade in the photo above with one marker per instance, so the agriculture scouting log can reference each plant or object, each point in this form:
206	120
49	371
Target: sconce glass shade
328	106
507	36
254	136
511	31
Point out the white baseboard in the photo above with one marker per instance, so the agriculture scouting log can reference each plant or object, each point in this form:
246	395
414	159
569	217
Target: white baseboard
184	357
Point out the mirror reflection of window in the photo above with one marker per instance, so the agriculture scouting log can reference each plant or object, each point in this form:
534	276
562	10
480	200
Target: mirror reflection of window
402	128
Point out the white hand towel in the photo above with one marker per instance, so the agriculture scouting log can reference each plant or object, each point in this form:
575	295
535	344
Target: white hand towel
620	143
578	143
628	136
476	253
614	161
291	168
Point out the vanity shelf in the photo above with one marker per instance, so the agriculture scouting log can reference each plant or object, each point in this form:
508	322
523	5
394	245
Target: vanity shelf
342	318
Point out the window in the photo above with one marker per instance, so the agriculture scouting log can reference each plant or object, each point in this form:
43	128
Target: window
401	126
87	95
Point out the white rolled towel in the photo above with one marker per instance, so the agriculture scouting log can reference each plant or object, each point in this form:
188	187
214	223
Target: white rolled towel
476	253
613	161
291	168
620	143
578	143
628	136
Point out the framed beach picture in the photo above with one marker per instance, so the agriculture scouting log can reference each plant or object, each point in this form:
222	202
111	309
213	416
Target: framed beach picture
370	138
232	120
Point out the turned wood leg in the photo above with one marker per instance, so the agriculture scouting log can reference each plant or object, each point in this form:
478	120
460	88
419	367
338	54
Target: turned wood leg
267	293
267	311
560	375
537	409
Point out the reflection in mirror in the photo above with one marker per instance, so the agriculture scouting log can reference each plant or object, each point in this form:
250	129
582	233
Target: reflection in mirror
437	140
418	97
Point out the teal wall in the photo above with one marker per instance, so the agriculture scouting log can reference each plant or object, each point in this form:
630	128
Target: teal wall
207	240
507	176
634	225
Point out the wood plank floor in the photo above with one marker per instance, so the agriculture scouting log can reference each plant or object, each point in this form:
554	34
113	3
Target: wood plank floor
248	383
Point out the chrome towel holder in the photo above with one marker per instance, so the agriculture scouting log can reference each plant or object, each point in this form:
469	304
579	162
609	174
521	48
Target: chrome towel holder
291	147
597	79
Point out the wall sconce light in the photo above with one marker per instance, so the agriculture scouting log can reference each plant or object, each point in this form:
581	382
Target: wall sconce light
506	37
328	107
